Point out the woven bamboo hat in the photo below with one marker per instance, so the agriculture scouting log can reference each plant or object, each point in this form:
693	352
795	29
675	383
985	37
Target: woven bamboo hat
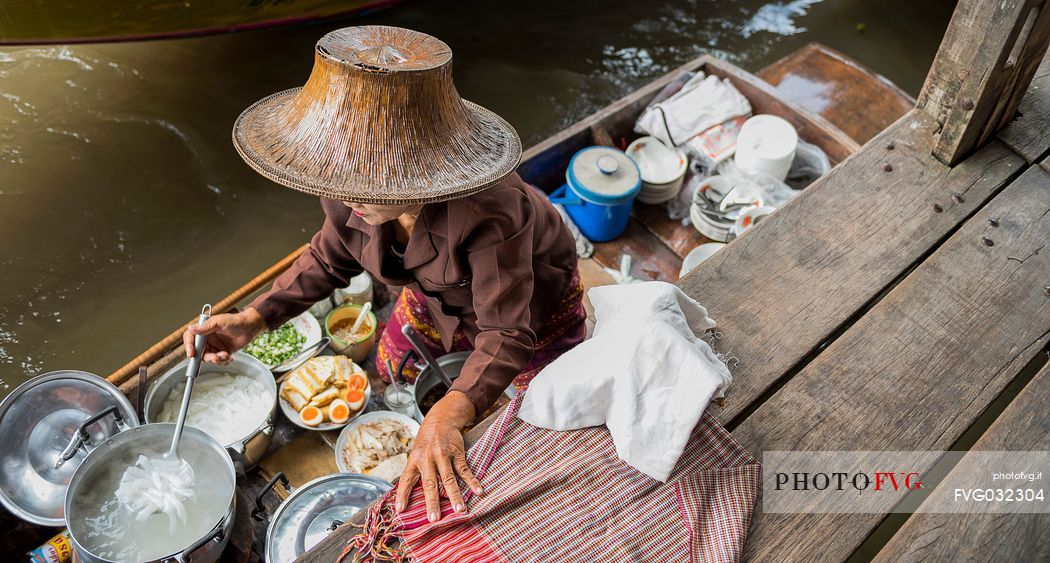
379	121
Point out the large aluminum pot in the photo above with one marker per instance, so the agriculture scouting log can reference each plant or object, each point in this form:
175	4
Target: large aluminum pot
451	364
90	499
247	450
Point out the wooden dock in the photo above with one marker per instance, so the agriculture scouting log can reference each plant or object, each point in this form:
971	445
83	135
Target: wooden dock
902	302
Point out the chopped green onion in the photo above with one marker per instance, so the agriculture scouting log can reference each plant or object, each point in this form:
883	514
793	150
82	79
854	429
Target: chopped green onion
276	346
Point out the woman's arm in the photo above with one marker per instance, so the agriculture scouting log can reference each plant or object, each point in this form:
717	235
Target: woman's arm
500	256
325	266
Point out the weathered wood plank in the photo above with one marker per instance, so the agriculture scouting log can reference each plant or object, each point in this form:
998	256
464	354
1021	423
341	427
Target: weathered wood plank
918	368
651	259
988	56
788	284
852	97
1028	135
680	238
1023	426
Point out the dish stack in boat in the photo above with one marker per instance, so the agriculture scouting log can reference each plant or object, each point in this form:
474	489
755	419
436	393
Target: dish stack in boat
662	168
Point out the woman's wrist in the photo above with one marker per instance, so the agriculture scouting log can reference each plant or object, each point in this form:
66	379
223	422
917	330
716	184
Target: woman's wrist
456	408
255	320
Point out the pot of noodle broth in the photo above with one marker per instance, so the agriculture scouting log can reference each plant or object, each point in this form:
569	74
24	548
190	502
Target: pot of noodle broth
103	530
337	326
236	404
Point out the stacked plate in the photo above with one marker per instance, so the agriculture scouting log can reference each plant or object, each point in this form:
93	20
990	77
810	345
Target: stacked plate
766	144
716	207
662	169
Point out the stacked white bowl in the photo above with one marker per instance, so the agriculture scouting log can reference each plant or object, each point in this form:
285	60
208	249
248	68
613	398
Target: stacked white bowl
662	168
766	144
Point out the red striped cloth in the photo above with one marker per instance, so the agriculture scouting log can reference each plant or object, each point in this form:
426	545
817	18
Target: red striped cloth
566	496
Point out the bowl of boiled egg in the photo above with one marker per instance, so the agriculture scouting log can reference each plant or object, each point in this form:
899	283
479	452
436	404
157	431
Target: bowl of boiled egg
325	393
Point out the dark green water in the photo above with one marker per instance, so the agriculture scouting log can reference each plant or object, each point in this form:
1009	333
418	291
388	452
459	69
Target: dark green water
123	206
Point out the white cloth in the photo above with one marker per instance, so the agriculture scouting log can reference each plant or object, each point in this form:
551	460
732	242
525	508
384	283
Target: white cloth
701	104
644	373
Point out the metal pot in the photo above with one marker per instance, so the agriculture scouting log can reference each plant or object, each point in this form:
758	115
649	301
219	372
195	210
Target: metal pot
314	510
48	425
97	478
451	364
247	450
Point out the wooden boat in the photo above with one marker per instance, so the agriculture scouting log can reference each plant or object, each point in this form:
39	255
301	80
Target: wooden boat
34	22
656	243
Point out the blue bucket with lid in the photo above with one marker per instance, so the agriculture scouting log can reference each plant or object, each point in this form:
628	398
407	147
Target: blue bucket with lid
601	183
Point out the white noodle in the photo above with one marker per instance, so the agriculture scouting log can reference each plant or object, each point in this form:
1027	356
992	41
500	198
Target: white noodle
227	407
157	486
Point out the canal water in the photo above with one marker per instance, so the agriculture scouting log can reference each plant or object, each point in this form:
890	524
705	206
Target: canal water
123	206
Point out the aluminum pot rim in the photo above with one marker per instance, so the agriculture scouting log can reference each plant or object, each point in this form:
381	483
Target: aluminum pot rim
298	491
78	475
179	369
127	410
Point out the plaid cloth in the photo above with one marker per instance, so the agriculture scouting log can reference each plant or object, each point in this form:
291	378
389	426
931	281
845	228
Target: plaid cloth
566	496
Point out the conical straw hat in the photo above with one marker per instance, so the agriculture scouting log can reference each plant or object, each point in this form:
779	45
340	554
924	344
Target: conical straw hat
379	121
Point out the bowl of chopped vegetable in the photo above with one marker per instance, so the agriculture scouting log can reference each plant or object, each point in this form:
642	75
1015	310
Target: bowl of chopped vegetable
275	346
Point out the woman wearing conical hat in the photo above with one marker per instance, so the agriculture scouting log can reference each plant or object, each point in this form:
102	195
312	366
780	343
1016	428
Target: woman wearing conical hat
418	189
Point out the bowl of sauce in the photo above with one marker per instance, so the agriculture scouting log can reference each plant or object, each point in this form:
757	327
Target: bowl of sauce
337	326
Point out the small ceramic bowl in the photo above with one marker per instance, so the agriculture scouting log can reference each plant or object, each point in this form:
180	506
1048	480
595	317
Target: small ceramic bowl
359	349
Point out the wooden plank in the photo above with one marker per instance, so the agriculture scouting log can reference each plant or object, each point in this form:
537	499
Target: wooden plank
673	234
917	369
788	284
650	258
1023	426
988	56
1028	134
852	97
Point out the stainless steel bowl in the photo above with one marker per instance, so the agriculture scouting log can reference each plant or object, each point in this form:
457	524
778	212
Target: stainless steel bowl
249	449
96	481
451	364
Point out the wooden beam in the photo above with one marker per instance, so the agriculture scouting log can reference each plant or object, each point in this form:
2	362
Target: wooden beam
786	286
1029	134
988	56
916	370
1023	426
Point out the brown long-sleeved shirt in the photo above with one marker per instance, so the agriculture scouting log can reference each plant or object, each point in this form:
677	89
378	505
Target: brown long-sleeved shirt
496	262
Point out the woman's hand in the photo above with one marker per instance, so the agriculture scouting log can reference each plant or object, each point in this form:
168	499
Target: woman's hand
227	333
439	454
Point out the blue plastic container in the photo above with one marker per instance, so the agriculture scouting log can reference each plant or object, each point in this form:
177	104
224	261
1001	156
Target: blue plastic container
601	183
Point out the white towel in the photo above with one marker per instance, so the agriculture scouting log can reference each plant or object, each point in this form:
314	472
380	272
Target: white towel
645	373
702	103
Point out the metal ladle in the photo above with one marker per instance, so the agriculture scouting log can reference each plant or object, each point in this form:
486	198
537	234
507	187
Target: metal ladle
421	349
193	369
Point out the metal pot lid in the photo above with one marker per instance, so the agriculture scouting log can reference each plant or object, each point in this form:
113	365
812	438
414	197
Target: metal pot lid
39	421
603	175
308	515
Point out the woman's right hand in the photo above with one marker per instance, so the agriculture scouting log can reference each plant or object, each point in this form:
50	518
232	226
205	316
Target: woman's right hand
227	333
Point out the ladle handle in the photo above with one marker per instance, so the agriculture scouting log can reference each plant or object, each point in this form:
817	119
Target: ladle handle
193	368
400	373
421	349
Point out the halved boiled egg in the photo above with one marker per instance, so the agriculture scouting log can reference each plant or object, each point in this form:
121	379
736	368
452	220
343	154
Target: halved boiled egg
338	411
311	416
357	381
355	399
